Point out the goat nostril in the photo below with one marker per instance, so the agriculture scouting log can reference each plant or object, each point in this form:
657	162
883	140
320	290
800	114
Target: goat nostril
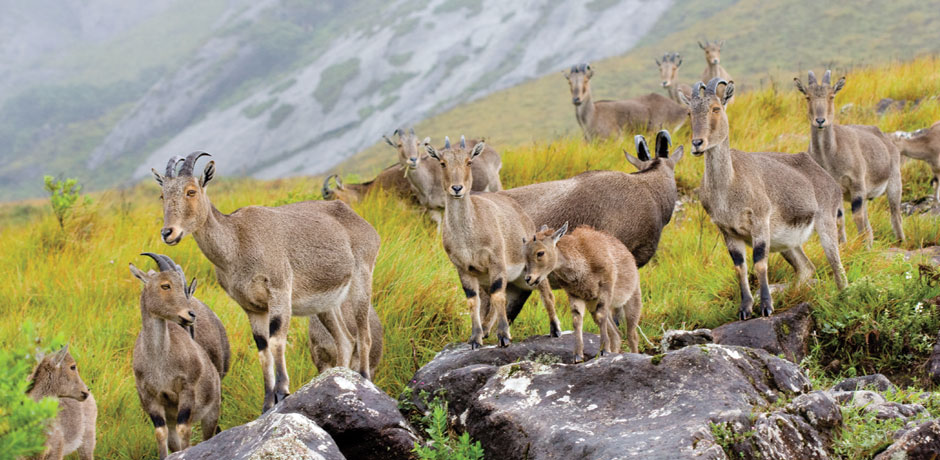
166	232
191	314
456	188
697	142
820	120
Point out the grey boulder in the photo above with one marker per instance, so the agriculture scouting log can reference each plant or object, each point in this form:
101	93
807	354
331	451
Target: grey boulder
675	339
877	382
919	443
786	334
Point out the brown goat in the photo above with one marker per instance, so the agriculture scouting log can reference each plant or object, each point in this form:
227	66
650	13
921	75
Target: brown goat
713	68
299	259
770	201
391	179
669	74
181	355
633	208
598	273
603	119
924	145
73	429
861	158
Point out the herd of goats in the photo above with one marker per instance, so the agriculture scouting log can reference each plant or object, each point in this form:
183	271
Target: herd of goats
587	235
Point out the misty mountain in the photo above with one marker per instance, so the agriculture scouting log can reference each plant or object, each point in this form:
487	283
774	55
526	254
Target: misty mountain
271	88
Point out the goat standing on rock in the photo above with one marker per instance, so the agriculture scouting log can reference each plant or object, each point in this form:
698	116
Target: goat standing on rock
73	429
770	201
862	159
597	272
304	259
181	355
483	235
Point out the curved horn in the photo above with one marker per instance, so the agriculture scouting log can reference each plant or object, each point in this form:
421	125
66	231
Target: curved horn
712	87
187	169
171	165
697	89
463	142
811	79
642	150
325	191
446	142
663	142
163	262
827	77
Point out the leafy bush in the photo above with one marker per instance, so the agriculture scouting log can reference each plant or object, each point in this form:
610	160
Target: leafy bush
22	420
63	194
442	446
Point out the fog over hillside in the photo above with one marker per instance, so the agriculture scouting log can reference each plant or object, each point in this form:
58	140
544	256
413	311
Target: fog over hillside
104	90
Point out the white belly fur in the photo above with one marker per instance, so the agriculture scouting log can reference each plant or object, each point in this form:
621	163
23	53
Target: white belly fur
877	191
786	237
320	302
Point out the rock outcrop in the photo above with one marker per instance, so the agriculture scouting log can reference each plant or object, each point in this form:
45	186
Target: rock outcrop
785	334
877	382
677	338
922	442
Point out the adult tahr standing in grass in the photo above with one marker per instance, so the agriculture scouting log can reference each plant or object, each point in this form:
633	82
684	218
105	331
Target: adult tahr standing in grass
601	119
425	176
770	201
483	236
862	159
181	355
391	179
713	68
669	74
924	145
599	275
634	208
73	429
299	259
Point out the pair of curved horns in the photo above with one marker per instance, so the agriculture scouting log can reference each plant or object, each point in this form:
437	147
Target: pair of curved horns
710	89
188	163
166	264
326	184
581	68
663	142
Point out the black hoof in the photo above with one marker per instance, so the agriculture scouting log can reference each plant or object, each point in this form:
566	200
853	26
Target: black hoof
744	314
603	353
474	344
555	330
578	359
279	396
503	341
766	310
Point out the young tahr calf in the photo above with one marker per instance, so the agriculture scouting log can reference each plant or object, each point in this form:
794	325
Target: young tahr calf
599	275
73	429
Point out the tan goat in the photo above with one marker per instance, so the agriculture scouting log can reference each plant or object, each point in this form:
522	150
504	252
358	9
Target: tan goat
862	159
299	259
597	272
483	236
425	176
600	119
770	201
634	208
924	145
669	73
713	68
181	355
390	179
73	429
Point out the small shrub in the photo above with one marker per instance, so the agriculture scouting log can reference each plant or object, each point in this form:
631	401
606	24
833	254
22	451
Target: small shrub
22	420
442	445
63	194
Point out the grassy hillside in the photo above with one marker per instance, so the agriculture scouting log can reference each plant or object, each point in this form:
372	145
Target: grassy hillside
76	282
766	42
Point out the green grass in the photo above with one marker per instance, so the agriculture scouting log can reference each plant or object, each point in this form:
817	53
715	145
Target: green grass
75	281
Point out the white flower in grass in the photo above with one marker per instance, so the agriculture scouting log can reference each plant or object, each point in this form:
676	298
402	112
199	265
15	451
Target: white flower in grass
919	307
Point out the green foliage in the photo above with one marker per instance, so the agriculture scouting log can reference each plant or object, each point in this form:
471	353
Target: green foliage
279	115
63	194
22	420
332	81
442	445
727	437
255	110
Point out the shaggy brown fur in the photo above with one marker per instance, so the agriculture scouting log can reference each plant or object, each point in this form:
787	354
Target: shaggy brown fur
602	119
861	158
924	145
597	272
181	355
770	201
73	429
300	259
483	236
391	179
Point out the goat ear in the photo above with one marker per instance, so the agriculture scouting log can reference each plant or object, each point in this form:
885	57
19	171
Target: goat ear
634	161
208	172
679	64
477	149
566	75
143	277
729	92
657	61
677	155
700	45
799	85
157	176
560	232
60	355
430	149
191	288
721	43
839	85
684	99
588	72
389	141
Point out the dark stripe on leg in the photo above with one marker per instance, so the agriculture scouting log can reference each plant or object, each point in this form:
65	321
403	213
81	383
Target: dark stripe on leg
736	257
497	285
839	213
275	325
157	420
183	416
469	292
760	252
856	203
261	342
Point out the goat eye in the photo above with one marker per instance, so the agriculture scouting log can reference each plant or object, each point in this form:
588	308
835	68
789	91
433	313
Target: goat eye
161	196
165	286
540	253
443	165
716	109
191	193
72	367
